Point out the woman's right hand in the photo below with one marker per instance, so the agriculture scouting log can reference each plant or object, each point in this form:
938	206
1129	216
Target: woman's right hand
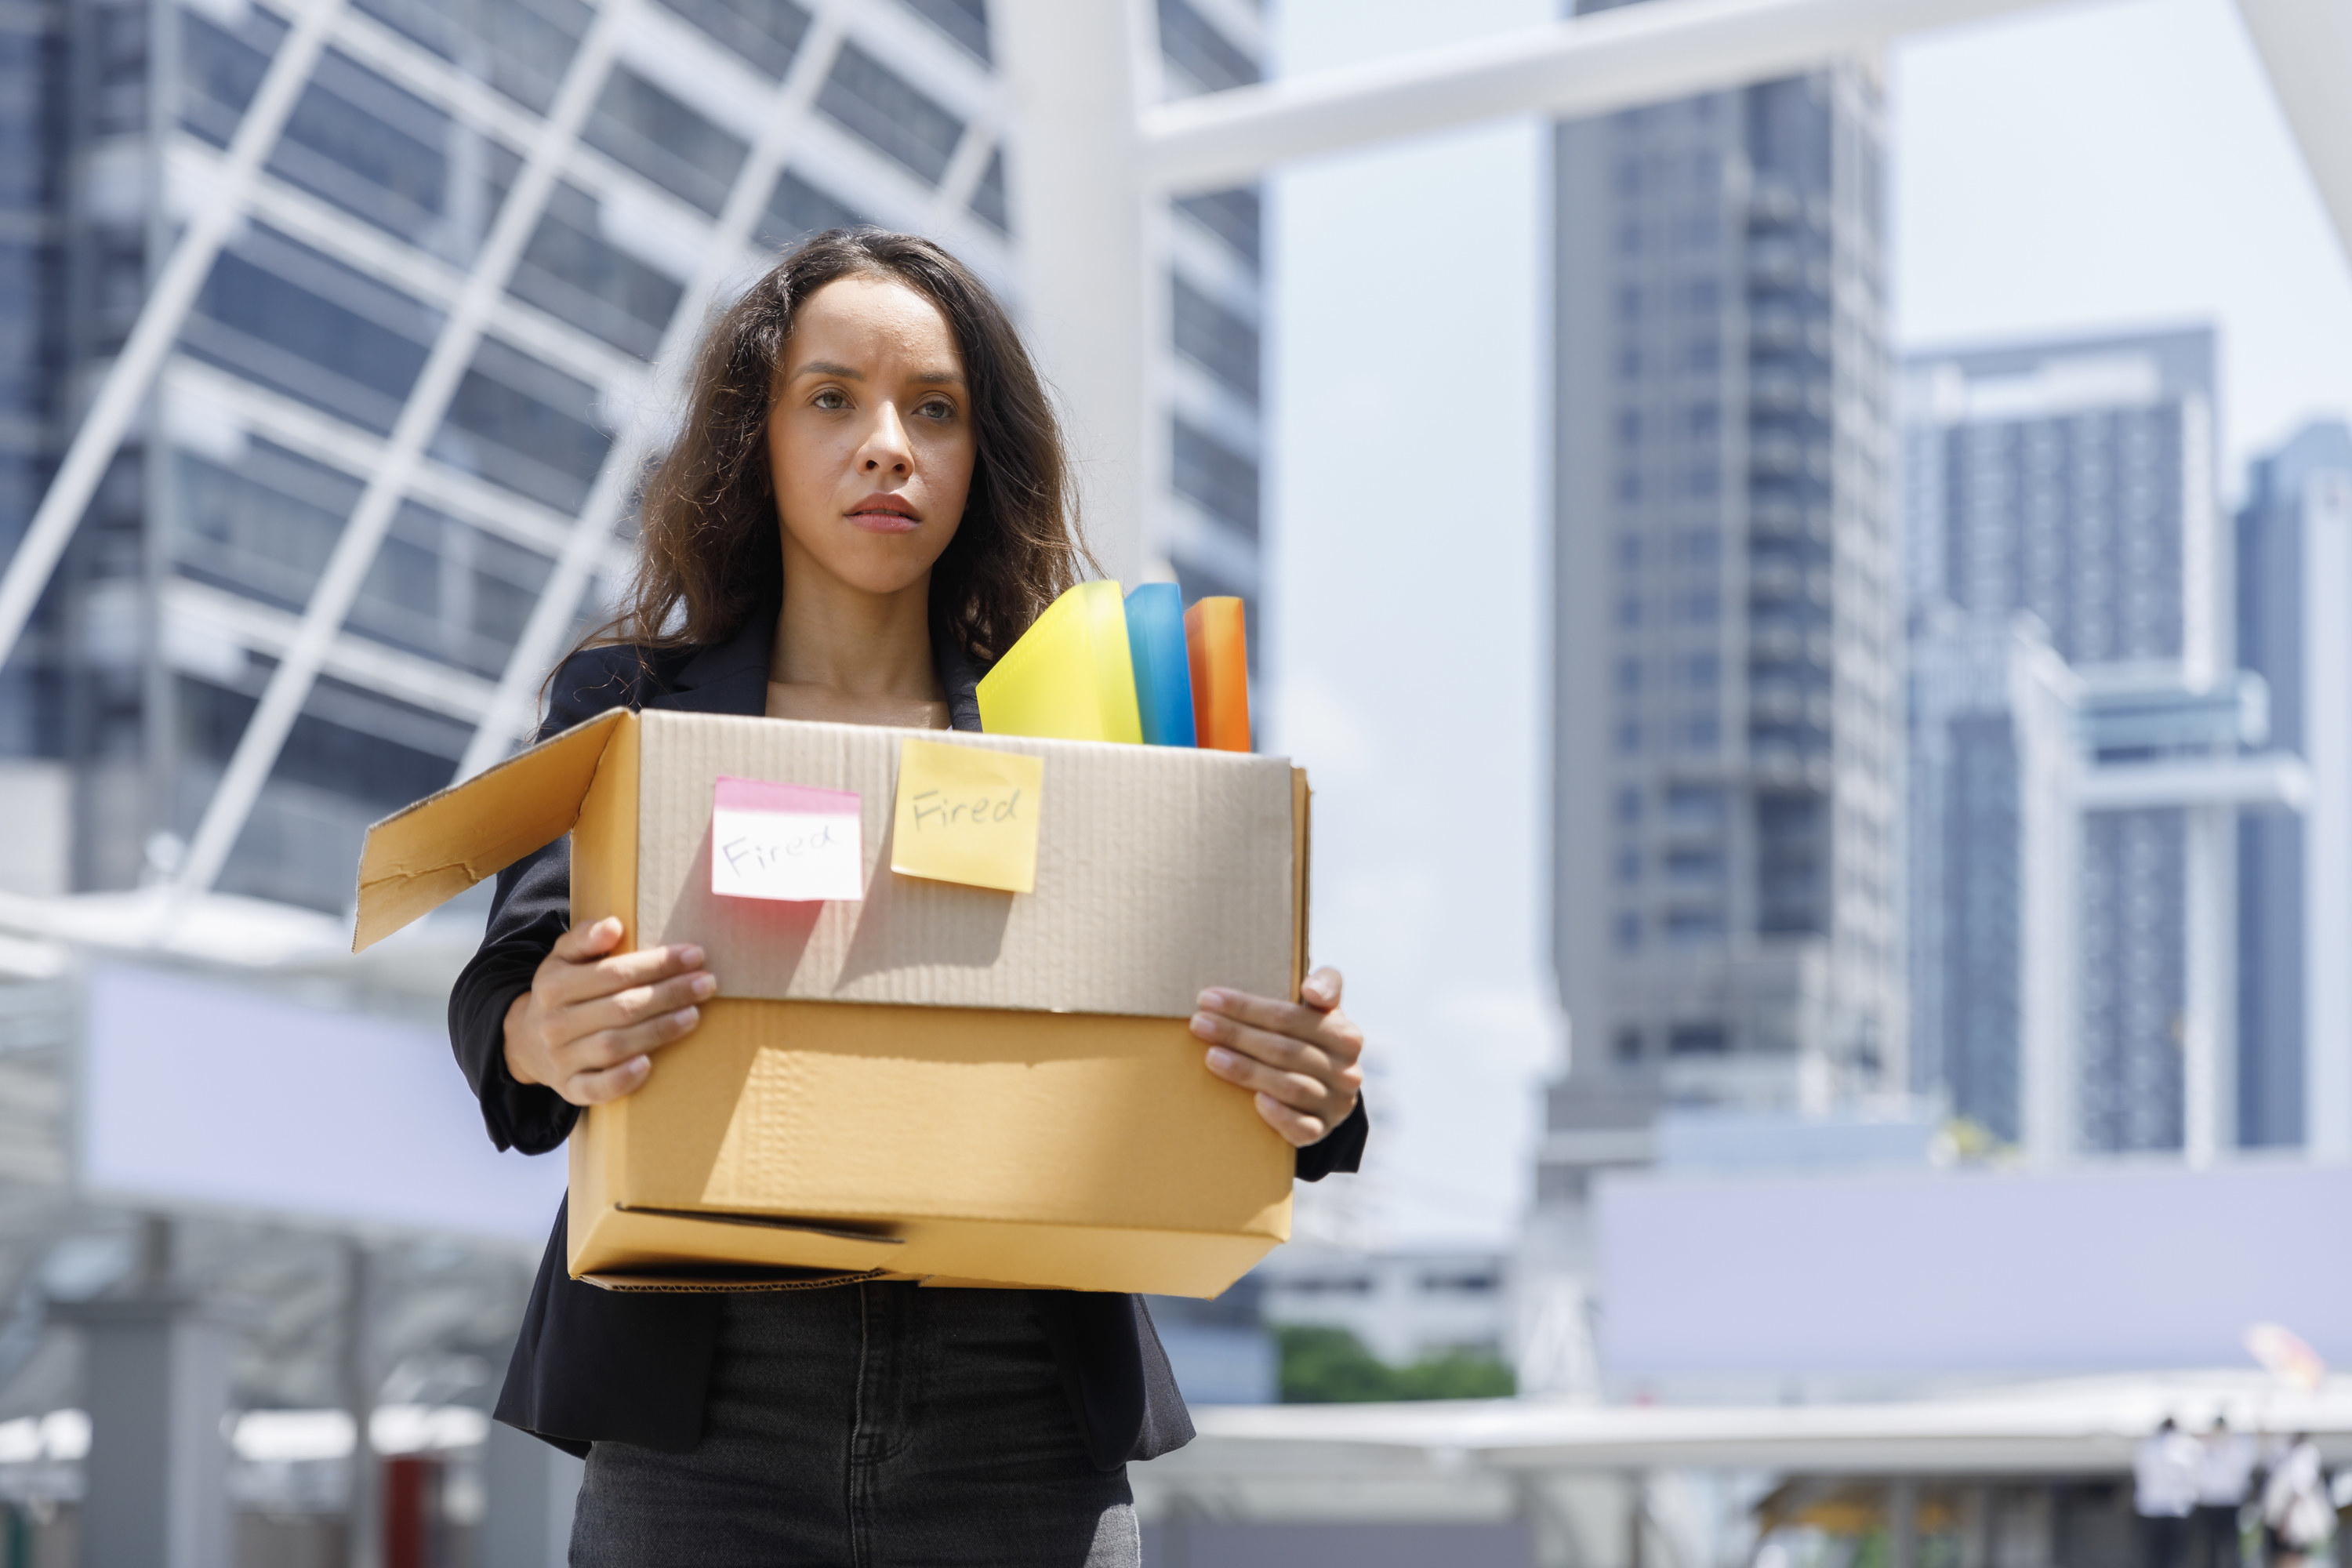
588	1027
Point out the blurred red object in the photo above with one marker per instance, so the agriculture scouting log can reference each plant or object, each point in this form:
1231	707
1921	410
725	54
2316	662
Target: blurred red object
412	1511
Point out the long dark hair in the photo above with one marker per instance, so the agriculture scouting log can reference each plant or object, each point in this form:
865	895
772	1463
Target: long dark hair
709	553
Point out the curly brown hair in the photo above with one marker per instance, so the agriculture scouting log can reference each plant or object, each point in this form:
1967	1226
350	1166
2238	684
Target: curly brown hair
709	550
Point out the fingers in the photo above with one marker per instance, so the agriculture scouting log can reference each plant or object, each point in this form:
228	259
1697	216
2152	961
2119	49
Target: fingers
611	1083
640	1002
1321	989
1299	1059
605	1048
1304	1091
582	943
1297	1129
569	983
1283	1052
1328	1030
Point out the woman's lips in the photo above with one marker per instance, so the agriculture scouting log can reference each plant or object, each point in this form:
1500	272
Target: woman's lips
882	518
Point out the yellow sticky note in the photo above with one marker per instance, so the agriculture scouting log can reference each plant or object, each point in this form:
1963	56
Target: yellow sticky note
967	816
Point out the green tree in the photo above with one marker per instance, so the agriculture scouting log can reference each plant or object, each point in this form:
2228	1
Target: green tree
1330	1366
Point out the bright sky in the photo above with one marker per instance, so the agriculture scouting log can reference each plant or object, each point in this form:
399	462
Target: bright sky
2083	168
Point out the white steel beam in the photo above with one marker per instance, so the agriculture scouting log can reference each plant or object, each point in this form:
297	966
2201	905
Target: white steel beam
124	386
2270	778
428	401
1589	65
2209	1012
2307	47
552	615
2327	829
1073	74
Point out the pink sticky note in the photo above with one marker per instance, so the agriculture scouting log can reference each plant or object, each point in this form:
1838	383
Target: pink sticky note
785	841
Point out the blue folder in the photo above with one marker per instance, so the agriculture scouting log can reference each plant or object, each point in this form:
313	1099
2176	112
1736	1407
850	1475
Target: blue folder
1163	670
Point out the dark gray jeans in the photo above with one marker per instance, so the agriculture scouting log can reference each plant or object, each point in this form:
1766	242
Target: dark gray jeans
871	1425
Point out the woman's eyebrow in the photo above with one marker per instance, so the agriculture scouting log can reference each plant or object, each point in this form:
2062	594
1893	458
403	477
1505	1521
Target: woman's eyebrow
937	378
826	367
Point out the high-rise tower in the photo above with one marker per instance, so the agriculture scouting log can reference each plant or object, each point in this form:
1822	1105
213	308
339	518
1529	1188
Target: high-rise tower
1727	640
2072	483
2301	489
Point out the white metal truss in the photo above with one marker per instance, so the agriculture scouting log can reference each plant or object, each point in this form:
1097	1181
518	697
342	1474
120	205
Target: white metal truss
552	616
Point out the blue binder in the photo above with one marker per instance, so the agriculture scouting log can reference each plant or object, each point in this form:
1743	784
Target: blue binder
1163	670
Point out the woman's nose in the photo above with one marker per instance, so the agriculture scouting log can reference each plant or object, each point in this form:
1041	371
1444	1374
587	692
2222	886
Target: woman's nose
887	447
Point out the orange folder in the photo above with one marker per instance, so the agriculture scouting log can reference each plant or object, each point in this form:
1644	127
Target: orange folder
1220	657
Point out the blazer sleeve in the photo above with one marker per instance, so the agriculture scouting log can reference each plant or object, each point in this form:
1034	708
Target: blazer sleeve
1341	1149
531	907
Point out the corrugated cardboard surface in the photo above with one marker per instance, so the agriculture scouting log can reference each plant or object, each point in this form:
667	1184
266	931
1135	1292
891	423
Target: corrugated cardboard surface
418	859
1086	1151
1160	870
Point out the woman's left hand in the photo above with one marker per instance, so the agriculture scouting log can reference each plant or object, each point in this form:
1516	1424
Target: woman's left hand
1300	1057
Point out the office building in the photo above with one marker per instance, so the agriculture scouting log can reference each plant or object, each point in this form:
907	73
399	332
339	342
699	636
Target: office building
2305	486
2129	749
2074	482
690	140
1727	690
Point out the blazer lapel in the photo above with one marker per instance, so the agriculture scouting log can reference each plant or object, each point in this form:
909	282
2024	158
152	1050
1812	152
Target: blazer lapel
733	677
726	677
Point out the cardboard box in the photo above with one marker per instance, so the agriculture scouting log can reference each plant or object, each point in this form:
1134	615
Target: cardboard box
940	1081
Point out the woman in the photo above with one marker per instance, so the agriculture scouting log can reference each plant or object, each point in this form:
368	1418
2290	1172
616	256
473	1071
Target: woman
868	502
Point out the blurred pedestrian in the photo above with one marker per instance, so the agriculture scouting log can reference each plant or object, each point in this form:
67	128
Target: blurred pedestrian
2298	1517
2165	1473
2225	1471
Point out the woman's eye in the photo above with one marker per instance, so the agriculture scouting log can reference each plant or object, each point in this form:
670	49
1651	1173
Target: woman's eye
831	399
938	408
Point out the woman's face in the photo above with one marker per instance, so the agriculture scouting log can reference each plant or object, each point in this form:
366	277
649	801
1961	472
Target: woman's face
870	437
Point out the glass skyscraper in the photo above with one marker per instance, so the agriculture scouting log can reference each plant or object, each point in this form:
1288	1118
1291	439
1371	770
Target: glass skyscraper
285	390
2273	847
1727	640
2073	484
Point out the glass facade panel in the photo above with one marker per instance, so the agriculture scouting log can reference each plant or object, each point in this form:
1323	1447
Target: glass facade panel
219	70
446	590
306	325
266	529
799	209
1215	339
525	426
518	47
1222	480
1193	44
571	272
646	130
768	33
965	21
1233	217
877	104
988	197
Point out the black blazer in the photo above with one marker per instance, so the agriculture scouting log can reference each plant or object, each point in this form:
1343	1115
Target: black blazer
594	1365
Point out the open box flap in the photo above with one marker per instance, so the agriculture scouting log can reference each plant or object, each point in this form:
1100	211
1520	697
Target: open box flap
418	859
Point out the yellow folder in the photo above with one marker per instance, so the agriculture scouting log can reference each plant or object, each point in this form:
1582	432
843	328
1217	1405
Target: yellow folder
1070	675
